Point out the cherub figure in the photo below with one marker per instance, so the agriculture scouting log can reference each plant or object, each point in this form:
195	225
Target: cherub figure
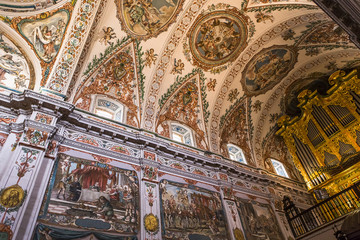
211	84
262	17
178	67
107	36
150	57
20	81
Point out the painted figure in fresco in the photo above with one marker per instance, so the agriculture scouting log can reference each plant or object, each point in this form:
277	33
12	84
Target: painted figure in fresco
64	181
47	39
121	195
150	57
96	187
218	39
268	68
75	190
143	14
62	186
114	194
107	36
105	208
9	66
20	81
129	206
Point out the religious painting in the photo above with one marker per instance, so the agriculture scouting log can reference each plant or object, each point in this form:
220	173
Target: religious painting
16	72
44	32
268	68
190	212
217	37
258	220
92	195
144	19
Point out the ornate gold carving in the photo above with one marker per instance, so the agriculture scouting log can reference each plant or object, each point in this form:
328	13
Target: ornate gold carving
12	197
238	234
338	95
151	223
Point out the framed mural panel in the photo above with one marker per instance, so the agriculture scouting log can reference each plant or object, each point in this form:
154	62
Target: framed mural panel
92	195
258	220
190	212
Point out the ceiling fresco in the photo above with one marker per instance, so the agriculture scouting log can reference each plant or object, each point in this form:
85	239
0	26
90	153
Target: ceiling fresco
24	6
16	71
227	71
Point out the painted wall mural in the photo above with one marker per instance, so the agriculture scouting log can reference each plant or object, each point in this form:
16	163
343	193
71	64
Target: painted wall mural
258	220
44	32
217	37
16	71
144	19
189	212
267	68
92	195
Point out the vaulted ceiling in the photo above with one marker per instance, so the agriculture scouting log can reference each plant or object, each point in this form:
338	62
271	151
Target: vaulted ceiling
226	70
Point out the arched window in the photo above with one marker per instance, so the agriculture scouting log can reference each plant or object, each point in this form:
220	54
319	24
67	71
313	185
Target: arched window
279	168
236	153
109	109
181	134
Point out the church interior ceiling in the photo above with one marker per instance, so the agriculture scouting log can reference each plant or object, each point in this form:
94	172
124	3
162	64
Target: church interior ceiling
226	70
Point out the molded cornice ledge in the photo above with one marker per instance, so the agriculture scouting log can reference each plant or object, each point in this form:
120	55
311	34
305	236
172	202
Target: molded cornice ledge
76	121
346	13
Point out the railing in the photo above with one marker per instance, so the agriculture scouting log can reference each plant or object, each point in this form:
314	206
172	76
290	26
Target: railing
326	211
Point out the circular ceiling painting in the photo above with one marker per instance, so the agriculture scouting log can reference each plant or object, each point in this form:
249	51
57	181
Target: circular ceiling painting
145	19
217	37
267	68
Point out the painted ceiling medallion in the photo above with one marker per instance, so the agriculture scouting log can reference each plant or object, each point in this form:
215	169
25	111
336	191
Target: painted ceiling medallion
217	37
144	19
267	68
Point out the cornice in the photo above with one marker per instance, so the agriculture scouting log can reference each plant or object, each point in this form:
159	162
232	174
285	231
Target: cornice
71	120
344	13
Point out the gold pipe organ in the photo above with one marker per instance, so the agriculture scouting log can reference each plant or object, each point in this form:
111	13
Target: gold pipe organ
324	140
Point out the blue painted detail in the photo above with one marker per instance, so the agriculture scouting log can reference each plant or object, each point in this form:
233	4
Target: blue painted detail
92	223
198	237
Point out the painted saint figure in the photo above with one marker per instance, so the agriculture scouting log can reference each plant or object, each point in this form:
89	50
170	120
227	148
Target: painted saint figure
47	39
75	190
105	208
9	66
